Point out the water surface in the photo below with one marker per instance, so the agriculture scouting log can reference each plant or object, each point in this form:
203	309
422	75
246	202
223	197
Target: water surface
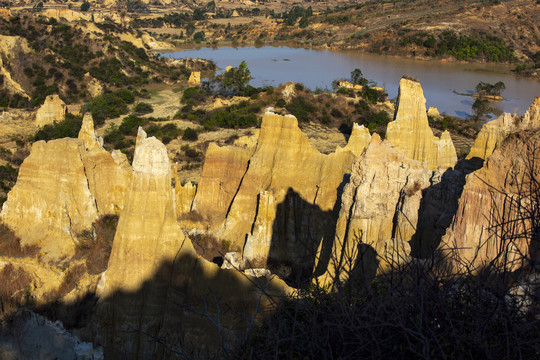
271	65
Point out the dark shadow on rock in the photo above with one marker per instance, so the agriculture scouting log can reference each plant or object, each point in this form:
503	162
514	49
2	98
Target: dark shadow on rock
438	206
189	308
300	229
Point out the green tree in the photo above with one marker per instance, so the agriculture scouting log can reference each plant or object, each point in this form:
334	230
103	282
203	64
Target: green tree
190	28
358	78
199	36
85	6
498	88
235	80
199	14
304	22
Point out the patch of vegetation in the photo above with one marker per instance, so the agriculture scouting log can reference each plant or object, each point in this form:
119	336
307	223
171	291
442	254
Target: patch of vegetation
300	107
69	127
15	290
190	134
194	95
110	105
463	47
143	108
235	116
10	244
487	89
235	80
165	133
95	245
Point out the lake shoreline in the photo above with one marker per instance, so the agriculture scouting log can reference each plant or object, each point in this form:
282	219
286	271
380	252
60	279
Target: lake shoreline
508	67
317	70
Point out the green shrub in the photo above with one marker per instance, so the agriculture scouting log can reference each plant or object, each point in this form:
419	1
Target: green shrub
301	108
143	108
165	133
199	36
378	119
69	127
110	105
190	134
194	95
85	6
281	103
130	124
371	94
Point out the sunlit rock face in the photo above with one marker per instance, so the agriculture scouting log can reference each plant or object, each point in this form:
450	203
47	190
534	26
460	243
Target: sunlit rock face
53	109
379	208
146	237
63	187
410	131
279	197
108	178
494	132
51	203
492	224
155	282
148	205
221	175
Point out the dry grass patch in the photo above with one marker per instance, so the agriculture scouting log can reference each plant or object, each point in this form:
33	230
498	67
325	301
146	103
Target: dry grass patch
10	244
95	245
14	288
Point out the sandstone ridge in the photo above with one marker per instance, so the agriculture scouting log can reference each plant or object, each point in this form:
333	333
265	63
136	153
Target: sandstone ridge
494	132
56	198
281	193
410	131
170	278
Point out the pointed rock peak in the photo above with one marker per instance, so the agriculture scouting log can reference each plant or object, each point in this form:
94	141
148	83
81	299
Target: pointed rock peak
411	104
121	159
53	109
141	135
410	131
531	118
195	78
288	91
375	139
271	119
88	134
150	156
446	136
358	141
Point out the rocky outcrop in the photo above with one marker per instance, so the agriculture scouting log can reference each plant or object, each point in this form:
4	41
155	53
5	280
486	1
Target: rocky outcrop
147	235
492	135
410	131
12	48
284	204
434	112
148	205
492	224
494	132
162	295
51	203
195	78
32	336
379	208
107	180
358	141
223	170
183	194
531	118
95	88
53	109
57	197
